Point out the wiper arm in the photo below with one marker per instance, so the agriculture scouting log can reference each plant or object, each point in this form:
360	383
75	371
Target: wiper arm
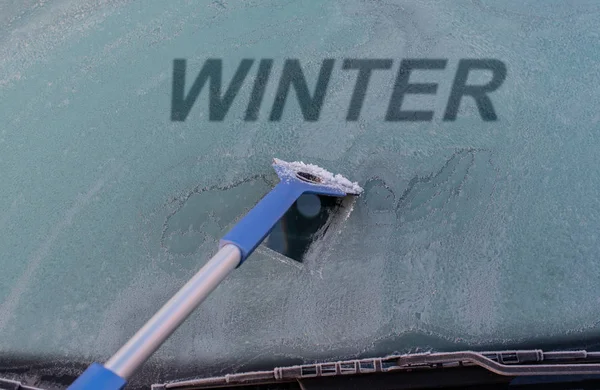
506	363
512	363
7	384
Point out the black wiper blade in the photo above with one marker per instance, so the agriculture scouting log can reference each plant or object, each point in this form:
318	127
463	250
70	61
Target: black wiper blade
506	363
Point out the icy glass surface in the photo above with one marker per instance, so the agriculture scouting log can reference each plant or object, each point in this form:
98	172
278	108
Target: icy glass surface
469	234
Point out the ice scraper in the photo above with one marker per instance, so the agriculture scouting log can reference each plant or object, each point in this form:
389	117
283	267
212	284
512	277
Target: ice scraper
296	179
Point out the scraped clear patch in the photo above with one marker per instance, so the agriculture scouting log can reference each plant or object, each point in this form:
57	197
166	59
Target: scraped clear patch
307	221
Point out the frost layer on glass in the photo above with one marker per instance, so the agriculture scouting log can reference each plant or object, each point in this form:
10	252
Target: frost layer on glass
469	234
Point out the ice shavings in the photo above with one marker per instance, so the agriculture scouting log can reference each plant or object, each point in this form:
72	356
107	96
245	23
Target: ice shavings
327	177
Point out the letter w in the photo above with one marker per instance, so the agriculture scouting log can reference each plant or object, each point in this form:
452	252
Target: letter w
212	69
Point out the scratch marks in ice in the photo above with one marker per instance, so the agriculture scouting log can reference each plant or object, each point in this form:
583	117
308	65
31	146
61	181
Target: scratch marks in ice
204	214
458	179
444	237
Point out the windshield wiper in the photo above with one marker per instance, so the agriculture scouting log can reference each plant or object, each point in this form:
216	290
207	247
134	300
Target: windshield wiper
505	363
7	384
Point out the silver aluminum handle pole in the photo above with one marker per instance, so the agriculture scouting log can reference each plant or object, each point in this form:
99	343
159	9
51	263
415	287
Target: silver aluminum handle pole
150	337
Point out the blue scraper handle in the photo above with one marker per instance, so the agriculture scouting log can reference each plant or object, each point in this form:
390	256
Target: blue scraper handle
251	230
98	377
234	249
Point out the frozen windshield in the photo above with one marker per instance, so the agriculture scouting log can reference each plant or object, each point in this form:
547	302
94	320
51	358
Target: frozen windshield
471	233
